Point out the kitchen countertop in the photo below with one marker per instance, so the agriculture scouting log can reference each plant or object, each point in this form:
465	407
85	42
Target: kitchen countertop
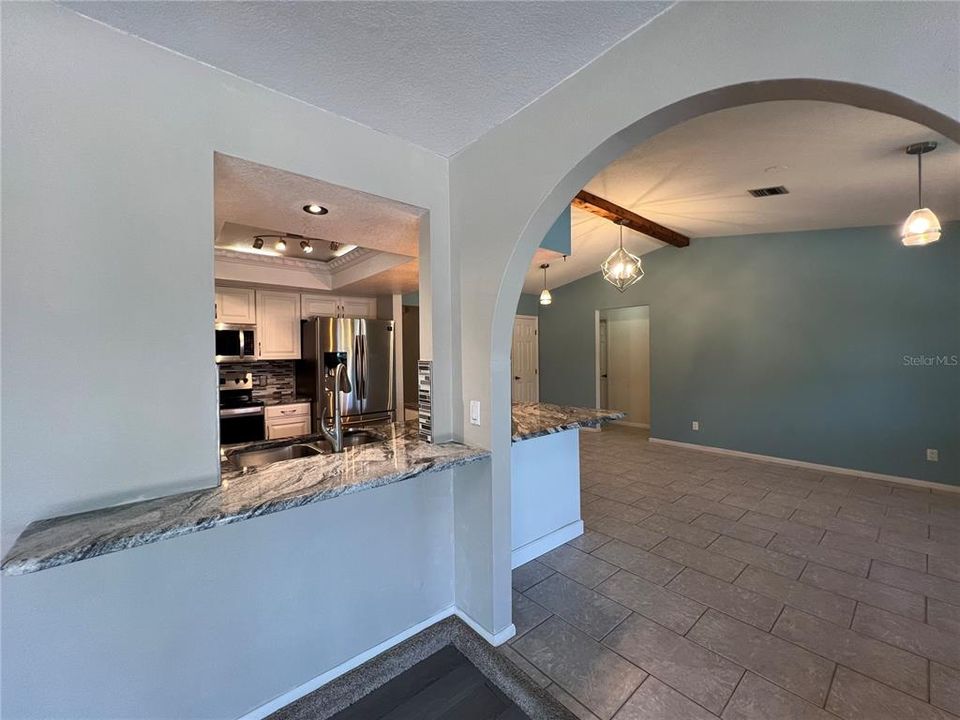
271	402
241	495
532	420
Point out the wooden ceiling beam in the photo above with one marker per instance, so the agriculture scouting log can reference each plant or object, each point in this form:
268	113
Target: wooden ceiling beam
606	209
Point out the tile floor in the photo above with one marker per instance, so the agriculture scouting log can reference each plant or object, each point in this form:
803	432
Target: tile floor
709	586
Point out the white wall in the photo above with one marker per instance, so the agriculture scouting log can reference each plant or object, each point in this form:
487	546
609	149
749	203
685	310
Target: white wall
628	362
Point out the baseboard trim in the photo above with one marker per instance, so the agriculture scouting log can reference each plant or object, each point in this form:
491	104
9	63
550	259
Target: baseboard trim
494	639
812	466
548	542
298	692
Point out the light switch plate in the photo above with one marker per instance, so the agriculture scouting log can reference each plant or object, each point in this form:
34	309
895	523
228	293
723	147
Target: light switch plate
933	455
474	412
695	425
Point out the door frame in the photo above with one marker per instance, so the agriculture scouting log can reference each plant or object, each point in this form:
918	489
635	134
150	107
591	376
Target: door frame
536	322
596	362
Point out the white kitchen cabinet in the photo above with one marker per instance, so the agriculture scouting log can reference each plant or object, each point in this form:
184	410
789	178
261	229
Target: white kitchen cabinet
286	421
338	306
235	306
278	325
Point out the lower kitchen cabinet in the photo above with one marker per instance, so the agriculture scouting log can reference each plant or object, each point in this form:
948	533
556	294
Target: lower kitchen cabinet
287	421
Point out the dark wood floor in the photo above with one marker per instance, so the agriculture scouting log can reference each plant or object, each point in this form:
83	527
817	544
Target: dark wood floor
445	686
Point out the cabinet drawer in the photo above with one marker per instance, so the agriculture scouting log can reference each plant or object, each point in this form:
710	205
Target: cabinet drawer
286	411
285	427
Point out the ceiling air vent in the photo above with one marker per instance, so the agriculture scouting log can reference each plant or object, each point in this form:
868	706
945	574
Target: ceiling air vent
768	191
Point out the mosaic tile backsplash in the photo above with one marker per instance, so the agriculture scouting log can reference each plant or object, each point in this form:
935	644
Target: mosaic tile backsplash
273	380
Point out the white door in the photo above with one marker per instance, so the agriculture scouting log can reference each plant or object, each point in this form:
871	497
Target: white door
525	359
602	351
235	306
278	325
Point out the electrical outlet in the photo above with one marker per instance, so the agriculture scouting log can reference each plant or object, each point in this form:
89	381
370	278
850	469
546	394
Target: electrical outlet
695	425
933	455
474	412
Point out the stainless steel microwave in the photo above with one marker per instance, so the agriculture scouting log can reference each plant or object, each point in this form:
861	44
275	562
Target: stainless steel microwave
236	342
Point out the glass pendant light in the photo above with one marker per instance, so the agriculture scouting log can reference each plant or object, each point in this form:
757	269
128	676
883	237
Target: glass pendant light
922	227
545	297
622	269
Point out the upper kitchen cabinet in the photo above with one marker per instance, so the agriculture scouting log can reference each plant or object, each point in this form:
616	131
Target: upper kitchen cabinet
278	325
334	306
235	306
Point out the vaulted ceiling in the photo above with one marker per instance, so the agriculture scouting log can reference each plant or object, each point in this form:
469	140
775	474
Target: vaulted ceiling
438	74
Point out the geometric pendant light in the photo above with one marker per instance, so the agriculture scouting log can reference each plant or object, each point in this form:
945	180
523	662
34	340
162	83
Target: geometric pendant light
622	268
922	227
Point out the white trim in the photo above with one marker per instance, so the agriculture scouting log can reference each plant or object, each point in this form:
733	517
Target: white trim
812	466
320	680
645	426
494	639
536	548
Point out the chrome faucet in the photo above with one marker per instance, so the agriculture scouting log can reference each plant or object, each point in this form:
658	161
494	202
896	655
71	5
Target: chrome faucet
341	383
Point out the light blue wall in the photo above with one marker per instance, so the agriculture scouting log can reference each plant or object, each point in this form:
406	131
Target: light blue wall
558	236
789	345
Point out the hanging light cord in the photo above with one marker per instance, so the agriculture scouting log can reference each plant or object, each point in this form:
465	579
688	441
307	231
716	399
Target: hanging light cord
920	180
544	278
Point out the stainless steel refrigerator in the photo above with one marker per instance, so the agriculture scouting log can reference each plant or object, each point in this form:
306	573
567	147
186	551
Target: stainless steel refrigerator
366	347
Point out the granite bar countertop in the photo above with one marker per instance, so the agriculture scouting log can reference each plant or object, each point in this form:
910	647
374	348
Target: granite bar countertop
532	420
273	401
241	495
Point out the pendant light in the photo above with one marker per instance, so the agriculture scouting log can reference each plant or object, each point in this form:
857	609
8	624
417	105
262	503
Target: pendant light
922	227
545	297
622	269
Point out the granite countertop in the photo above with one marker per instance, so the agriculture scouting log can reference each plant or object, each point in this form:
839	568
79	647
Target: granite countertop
241	495
532	420
270	402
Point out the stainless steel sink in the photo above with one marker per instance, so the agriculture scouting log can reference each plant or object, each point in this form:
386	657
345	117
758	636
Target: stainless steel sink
256	458
360	436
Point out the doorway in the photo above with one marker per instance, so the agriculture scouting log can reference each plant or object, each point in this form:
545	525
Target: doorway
623	363
525	359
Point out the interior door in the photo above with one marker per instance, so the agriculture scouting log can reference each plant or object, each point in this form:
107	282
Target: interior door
602	364
525	359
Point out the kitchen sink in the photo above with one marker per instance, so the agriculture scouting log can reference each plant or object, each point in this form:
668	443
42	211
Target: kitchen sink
360	436
256	458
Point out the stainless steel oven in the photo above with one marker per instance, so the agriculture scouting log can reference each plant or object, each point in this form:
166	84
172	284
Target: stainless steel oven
236	342
241	417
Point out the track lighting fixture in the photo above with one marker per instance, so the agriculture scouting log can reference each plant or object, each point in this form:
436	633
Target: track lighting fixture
306	246
258	243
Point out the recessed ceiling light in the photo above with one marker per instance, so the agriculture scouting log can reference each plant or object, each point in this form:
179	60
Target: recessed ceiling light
306	246
314	209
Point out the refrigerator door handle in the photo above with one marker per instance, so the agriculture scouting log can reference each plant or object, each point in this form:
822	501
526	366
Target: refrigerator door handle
363	367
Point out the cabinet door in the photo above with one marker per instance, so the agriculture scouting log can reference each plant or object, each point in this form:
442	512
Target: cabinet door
359	307
319	305
288	427
235	305
278	325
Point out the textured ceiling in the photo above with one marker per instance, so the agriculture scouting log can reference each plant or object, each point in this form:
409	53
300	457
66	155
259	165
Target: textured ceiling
439	74
843	166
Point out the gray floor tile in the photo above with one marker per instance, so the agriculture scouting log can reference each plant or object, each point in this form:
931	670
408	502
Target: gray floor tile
826	605
945	687
570	703
585	569
772	560
829	522
596	677
530	574
875	551
944	567
627	532
517	659
747	502
650	600
706	561
857	697
868	591
621	493
725	526
586	609
779	661
527	614
898	668
741	603
944	616
861	510
638	561
656	701
757	699
698	673
719	509
790	528
679	530
930	585
837	559
589	541
912	635
619	510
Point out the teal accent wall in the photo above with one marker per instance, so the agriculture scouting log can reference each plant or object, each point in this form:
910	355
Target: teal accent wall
819	346
558	236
